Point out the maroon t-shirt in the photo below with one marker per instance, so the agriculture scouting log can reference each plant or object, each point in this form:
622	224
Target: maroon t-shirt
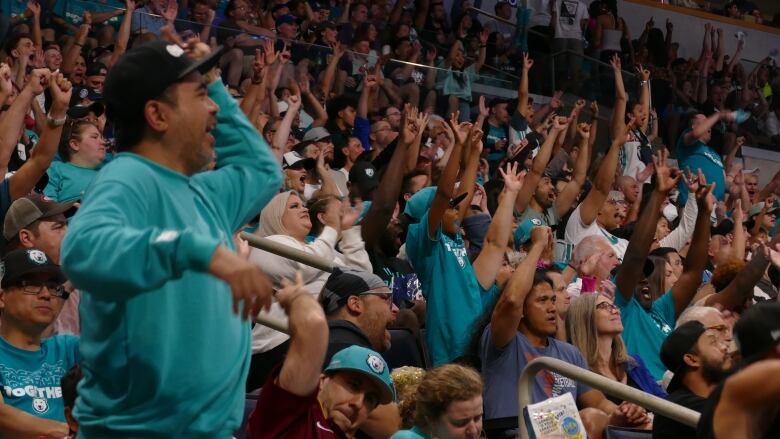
281	414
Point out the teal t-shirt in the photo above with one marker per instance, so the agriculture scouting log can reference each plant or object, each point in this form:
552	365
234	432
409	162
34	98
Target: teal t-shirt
13	8
72	11
164	354
30	380
700	156
644	332
455	298
67	181
457	83
414	433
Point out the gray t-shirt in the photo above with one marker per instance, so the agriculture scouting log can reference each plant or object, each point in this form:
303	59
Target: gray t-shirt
501	370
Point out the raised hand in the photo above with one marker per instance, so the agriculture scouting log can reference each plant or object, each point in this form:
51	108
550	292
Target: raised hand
61	90
666	176
87	19
370	81
669	25
484	111
294	103
6	84
475	139
579	105
291	291
704	198
583	129
691	180
644	73
560	123
130	6
35	8
409	129
527	62
738	215
540	235
248	284
594	109
513	180
39	80
268	51
616	64
350	214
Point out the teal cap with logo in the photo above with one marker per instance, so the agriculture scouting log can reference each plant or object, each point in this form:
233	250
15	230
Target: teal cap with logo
523	230
369	363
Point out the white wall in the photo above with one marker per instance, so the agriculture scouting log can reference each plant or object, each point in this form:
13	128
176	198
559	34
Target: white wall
689	31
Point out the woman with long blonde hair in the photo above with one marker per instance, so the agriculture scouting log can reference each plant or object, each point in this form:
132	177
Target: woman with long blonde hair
594	327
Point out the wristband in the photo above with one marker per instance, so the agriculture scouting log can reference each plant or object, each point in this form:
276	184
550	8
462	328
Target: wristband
588	285
54	123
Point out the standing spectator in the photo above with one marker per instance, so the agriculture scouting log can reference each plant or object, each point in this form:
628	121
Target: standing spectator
174	223
300	399
83	150
31	366
694	152
569	18
447	404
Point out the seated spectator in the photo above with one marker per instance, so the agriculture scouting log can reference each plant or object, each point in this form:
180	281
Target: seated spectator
523	327
699	358
83	151
594	327
447	405
286	220
32	296
300	399
359	309
36	222
745	405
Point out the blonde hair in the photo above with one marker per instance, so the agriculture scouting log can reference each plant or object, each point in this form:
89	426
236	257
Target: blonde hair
442	386
583	334
271	215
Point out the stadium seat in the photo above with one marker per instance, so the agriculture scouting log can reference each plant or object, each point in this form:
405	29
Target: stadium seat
627	433
406	350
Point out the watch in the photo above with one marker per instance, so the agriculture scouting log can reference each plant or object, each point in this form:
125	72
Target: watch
55	122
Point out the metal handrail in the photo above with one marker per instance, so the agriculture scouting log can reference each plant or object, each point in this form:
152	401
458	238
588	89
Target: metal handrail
655	404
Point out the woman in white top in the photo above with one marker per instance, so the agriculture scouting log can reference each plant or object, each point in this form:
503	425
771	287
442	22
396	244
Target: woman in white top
286	220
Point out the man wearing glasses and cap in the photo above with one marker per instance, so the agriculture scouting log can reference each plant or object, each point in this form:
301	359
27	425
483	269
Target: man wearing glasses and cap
32	297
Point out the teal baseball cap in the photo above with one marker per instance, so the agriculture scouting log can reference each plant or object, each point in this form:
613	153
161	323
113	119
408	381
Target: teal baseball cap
523	231
421	202
369	363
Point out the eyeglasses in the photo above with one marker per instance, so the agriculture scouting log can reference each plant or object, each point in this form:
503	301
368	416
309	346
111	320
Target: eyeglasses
609	307
35	288
720	329
386	296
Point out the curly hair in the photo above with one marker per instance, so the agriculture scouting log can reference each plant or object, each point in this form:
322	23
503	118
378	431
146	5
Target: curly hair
441	387
726	272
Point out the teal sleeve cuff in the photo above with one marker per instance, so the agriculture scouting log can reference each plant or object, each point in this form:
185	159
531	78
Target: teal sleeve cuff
196	250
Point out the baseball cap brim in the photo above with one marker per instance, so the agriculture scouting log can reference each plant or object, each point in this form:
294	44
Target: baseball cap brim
204	64
307	164
386	396
457	200
52	270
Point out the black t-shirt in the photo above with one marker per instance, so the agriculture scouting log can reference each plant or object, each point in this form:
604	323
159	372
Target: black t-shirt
705	429
665	428
342	335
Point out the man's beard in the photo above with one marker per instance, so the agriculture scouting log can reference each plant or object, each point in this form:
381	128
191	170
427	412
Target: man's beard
714	372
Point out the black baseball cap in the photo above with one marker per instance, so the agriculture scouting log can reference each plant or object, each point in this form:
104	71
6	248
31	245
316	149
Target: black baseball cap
723	228
97	69
82	111
364	176
26	261
680	342
144	73
758	330
345	282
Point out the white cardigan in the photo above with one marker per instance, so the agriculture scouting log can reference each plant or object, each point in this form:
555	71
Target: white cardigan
684	231
353	255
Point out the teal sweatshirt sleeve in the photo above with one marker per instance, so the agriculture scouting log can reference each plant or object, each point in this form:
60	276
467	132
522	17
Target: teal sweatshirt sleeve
247	174
52	189
102	254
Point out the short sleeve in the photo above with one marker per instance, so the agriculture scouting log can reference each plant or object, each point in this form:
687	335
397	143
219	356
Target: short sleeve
620	301
664	308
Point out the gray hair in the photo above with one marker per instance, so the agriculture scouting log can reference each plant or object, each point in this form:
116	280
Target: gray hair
587	247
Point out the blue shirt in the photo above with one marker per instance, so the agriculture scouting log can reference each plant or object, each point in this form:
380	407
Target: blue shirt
700	156
30	380
413	433
501	368
645	331
455	298
164	354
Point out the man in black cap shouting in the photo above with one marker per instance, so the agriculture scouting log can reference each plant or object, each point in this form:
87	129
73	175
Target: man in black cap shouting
699	357
359	306
747	404
31	366
151	251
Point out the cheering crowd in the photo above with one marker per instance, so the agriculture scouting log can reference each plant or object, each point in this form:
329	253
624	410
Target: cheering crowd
141	141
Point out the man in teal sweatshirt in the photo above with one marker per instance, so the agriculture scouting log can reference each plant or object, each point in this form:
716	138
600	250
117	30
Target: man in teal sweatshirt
164	353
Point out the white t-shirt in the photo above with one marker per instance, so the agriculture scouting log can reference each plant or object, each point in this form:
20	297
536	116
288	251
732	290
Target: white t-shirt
568	16
576	231
540	13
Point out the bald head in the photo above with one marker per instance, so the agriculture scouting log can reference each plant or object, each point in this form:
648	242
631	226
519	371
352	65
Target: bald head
630	188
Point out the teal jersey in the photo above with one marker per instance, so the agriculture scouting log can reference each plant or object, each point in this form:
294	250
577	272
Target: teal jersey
163	353
700	156
72	11
67	181
455	298
30	380
414	433
645	331
13	8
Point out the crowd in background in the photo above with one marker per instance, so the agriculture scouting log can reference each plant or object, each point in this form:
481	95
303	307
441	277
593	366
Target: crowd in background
603	216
